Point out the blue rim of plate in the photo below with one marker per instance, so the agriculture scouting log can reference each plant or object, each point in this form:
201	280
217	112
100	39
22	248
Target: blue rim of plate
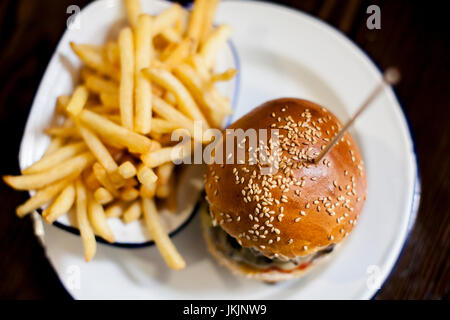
130	245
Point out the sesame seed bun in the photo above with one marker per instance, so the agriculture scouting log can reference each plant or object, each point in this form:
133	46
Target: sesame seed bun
303	207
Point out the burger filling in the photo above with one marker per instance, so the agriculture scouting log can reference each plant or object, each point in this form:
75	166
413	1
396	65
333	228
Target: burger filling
229	247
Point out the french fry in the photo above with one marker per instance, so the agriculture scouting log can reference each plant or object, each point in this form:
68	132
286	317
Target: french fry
127	62
54	145
105	111
133	212
63	132
115	210
208	19
147	191
167	18
195	25
78	101
102	177
61	103
114	118
146	176
110	100
165	246
95	60
98	150
41	179
224	76
181	51
131	182
86	232
185	101
97	218
164	173
117	134
171	35
41	197
129	194
157	90
127	170
62	204
172	115
156	158
213	43
197	62
103	196
90	180
112	53
143	92
169	97
133	9
53	159
181	24
202	94
160	126
167	51
100	85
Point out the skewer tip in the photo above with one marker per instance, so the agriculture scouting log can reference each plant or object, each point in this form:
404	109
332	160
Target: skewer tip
392	76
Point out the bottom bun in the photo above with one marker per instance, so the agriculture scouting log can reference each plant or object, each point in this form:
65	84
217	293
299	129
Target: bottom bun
244	269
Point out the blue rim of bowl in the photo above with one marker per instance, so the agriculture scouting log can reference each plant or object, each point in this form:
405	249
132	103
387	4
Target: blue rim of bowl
135	245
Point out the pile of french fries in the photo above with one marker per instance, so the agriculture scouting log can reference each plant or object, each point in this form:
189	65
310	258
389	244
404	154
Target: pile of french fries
112	155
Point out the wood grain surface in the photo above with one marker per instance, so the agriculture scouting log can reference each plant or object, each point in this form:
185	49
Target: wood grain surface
414	36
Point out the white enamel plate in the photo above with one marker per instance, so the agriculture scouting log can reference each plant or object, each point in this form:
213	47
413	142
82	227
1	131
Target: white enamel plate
283	53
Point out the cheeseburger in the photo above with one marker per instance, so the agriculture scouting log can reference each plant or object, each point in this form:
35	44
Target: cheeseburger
272	217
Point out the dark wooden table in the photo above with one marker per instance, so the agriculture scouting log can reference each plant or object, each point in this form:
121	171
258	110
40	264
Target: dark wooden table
414	36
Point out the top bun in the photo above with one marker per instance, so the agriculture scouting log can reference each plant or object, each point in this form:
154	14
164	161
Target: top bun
302	207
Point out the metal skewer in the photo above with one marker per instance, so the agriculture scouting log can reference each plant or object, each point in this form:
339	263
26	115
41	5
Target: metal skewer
390	77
